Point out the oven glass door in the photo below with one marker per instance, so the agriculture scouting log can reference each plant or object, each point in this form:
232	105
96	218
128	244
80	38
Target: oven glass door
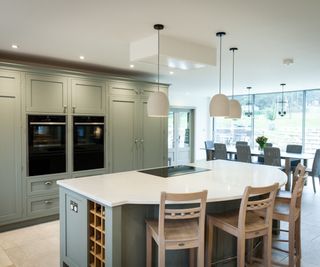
88	143
47	144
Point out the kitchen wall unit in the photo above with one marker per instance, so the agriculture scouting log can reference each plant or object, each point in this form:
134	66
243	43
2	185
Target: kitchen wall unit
10	143
132	139
136	140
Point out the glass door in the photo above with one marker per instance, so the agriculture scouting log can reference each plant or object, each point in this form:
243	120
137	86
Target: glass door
180	136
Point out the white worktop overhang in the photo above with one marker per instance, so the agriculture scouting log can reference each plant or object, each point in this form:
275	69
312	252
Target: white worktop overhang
226	180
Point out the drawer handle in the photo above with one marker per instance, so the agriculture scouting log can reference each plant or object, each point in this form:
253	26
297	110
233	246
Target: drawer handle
47	202
48	183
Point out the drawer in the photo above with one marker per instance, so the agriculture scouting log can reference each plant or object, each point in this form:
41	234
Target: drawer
43	206
42	186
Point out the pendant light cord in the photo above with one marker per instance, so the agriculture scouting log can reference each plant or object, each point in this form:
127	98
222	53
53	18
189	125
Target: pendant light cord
232	73
220	66
158	60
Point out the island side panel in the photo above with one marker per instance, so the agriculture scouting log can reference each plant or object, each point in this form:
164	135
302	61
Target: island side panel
73	229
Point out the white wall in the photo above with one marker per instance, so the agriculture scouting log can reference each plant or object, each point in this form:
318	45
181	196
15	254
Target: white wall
203	123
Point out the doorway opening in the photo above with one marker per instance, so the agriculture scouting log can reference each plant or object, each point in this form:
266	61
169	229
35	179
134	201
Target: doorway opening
180	136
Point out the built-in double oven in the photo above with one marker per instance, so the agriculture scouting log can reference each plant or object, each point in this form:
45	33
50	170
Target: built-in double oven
47	149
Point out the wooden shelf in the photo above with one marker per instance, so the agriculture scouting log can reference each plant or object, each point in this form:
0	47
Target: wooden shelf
96	235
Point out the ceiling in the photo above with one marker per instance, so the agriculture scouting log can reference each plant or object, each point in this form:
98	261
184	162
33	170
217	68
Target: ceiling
266	32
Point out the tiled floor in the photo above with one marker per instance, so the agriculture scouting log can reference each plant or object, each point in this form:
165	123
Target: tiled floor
38	246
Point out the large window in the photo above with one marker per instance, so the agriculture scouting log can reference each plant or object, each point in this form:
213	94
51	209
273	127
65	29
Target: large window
280	130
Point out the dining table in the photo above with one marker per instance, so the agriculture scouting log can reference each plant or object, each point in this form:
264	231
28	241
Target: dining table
288	157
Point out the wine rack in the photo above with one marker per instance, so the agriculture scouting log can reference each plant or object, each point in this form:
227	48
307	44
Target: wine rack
96	235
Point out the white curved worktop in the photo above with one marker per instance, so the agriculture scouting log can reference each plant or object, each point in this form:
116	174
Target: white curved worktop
226	180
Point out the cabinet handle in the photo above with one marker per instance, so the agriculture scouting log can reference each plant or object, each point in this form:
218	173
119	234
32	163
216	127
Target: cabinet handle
47	202
64	109
141	140
48	183
136	141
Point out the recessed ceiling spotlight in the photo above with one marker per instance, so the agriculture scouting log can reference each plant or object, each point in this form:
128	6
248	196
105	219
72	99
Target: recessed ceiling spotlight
81	57
171	72
131	66
288	61
14	46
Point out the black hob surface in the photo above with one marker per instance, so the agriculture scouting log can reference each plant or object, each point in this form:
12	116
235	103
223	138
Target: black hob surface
172	171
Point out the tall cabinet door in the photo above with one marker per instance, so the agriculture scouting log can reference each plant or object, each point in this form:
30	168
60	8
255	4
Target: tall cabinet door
10	162
123	134
88	97
153	140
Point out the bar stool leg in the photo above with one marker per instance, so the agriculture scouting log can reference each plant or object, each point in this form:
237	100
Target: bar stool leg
241	242
191	257
291	242
161	256
149	248
267	244
209	245
298	241
200	256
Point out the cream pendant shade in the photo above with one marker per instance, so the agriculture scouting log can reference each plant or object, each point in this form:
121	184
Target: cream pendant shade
158	105
219	106
234	109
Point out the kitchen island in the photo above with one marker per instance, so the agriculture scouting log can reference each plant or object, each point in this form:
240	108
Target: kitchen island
102	217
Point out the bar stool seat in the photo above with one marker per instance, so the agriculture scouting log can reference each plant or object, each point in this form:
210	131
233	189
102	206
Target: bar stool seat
245	223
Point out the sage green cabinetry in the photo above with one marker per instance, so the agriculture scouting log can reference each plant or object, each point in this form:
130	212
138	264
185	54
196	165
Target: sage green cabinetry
136	141
10	143
88	97
46	93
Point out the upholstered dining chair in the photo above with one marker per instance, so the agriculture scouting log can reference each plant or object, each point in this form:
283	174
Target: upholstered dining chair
209	144
261	159
294	149
178	228
272	156
315	171
244	153
241	143
220	151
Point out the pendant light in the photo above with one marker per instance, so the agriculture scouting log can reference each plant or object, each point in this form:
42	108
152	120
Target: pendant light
219	104
249	112
282	112
234	105
158	103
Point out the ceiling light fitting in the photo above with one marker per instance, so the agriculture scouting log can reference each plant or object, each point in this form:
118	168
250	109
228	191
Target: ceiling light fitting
249	111
234	105
158	103
219	104
14	46
282	112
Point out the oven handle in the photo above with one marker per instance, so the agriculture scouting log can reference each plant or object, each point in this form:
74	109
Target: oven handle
89	123
47	123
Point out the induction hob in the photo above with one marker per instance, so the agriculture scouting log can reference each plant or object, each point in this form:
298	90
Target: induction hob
167	172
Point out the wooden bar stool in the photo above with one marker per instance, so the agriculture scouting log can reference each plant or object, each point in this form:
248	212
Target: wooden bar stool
178	228
288	209
245	223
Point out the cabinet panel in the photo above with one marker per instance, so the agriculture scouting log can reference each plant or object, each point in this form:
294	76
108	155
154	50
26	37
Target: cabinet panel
46	93
123	88
123	134
88	97
10	189
9	83
43	206
152	145
42	186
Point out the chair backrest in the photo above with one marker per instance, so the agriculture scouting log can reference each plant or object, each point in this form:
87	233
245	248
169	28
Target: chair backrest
197	212
272	156
316	164
263	203
209	153
208	144
294	149
241	143
296	196
300	170
268	145
244	153
220	151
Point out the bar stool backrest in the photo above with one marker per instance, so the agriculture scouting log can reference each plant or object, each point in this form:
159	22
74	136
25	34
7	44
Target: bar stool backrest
263	203
272	156
197	212
295	204
244	153
220	151
300	170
